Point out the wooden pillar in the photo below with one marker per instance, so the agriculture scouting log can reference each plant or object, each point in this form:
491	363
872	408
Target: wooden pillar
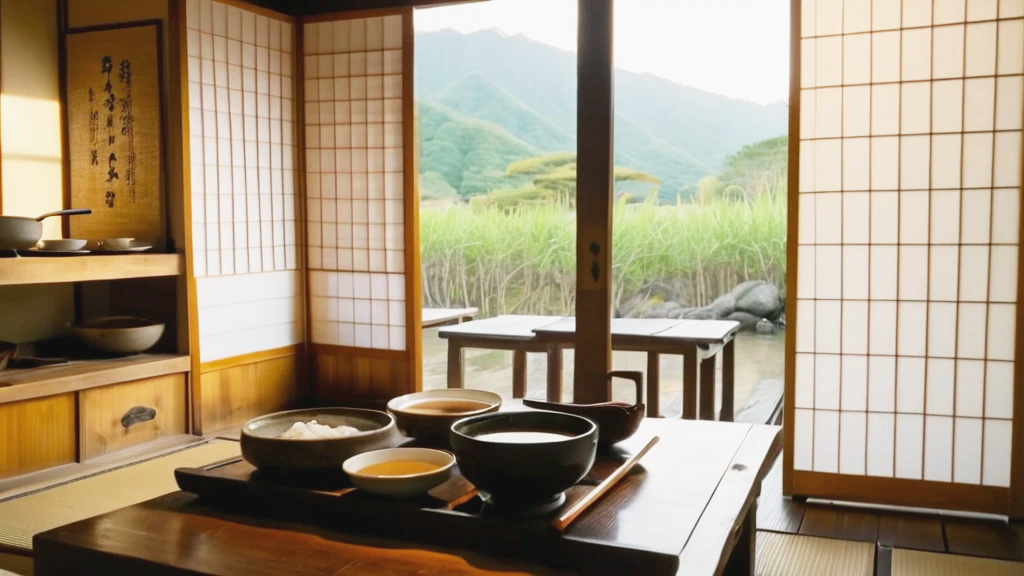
594	110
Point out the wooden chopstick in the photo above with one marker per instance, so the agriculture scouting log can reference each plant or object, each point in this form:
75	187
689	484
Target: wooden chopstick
566	518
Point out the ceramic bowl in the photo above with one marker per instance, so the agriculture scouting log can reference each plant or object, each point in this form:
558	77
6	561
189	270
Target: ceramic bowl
63	245
403	486
262	448
524	474
115	243
119	334
435	421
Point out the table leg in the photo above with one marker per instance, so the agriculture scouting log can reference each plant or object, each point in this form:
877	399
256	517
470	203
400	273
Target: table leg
519	373
554	373
728	382
742	560
707	388
690	383
455	360
653	385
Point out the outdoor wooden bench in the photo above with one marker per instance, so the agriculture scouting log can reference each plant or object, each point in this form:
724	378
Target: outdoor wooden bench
434	317
697	341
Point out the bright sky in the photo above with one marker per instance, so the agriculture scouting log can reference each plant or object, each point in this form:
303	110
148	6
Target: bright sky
738	48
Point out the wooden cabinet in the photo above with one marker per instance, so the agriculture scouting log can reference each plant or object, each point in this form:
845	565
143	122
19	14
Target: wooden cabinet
106	424
37	434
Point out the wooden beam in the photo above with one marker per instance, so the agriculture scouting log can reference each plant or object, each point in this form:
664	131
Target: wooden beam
594	131
793	207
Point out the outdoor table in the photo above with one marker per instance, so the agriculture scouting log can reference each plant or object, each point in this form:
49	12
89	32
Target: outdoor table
513	333
693	495
434	317
697	341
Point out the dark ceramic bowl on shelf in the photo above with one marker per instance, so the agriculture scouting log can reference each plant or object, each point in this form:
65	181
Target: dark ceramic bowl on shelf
524	459
262	447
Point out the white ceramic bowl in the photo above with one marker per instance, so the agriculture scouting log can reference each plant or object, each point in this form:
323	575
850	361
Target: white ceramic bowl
63	244
116	243
399	486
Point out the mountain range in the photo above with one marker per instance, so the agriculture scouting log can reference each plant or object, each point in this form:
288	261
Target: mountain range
487	99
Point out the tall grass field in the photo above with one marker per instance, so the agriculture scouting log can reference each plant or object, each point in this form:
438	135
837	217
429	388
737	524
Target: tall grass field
522	260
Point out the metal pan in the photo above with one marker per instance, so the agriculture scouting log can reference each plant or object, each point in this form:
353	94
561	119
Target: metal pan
22	233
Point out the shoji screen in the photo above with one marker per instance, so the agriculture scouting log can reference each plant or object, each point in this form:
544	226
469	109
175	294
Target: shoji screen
902	387
363	261
243	146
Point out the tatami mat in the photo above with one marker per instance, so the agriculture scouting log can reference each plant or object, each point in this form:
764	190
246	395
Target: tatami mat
791	555
24	516
917	563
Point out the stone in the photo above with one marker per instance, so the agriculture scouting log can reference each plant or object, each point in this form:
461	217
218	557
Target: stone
760	299
702	314
747	320
724	305
681	313
764	326
660	310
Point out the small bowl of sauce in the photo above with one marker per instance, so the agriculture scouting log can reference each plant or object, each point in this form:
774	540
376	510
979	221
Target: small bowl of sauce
428	416
399	472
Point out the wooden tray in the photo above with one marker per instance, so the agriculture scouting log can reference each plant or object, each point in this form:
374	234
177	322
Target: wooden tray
603	540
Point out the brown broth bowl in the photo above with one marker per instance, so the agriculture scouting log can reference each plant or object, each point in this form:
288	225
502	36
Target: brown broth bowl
433	427
524	475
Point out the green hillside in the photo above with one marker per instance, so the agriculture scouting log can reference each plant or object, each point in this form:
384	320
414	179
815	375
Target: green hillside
659	123
478	97
469	155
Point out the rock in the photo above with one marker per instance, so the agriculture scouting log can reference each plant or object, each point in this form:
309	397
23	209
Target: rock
660	310
743	287
758	298
764	326
724	305
681	313
747	320
702	314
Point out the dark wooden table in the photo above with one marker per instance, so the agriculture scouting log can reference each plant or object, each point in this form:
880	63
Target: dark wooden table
699	490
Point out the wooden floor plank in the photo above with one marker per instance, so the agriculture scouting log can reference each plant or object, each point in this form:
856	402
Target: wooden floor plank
775	512
842	523
912	531
988	538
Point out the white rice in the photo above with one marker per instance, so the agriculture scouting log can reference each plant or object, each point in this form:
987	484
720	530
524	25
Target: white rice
313	431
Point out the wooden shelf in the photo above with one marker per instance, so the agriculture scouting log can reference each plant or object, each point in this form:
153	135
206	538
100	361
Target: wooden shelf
30	383
49	270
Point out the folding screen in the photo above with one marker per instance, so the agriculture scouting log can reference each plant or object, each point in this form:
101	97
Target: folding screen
361	204
244	223
907	220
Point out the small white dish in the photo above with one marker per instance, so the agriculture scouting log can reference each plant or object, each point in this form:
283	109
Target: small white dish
62	245
38	252
135	246
403	486
115	243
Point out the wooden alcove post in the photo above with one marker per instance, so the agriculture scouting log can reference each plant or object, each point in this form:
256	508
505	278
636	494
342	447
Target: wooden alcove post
594	129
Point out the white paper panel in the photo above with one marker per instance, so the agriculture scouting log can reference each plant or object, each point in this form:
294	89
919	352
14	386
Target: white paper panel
911	141
967	451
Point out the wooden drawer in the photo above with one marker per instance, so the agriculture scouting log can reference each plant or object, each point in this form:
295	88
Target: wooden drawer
102	410
37	434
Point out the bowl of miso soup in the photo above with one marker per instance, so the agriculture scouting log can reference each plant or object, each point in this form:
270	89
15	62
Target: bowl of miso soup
428	416
524	460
